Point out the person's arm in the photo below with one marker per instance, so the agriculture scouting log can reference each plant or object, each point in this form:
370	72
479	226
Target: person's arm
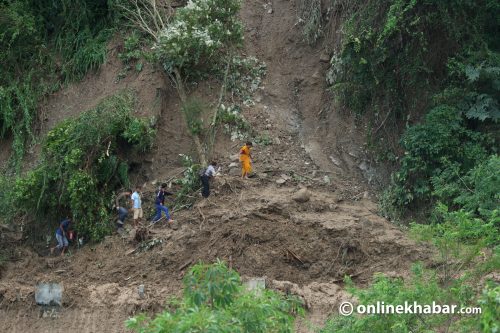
117	200
62	229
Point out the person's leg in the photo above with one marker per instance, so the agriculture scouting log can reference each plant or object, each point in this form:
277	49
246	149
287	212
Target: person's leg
165	209
205	192
65	244
158	213
59	243
136	217
141	214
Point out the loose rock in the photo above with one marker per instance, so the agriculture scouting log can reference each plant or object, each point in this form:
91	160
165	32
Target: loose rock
303	195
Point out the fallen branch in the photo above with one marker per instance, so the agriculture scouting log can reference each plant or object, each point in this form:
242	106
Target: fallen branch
185	265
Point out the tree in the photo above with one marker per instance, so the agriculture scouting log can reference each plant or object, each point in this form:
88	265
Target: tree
189	42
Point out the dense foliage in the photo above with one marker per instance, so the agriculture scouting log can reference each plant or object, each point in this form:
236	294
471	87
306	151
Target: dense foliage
402	59
424	288
426	73
199	34
44	43
82	165
216	301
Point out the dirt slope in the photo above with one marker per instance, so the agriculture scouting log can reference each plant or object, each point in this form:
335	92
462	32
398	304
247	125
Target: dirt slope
301	247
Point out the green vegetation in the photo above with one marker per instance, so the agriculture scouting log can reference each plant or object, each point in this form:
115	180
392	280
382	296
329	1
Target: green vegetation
401	59
43	44
437	62
216	301
310	17
193	43
81	167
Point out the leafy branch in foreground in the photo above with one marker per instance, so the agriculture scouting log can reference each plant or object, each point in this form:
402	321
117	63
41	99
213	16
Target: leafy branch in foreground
216	301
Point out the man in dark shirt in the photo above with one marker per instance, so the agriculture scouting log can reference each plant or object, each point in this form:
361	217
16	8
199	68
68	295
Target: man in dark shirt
160	204
122	211
61	236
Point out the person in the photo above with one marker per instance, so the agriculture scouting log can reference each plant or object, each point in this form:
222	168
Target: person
122	211
160	204
137	206
61	236
246	159
206	175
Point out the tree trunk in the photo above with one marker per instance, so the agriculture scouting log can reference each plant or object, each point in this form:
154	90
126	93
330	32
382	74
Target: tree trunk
182	95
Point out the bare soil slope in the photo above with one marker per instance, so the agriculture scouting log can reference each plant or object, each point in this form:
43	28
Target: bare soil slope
303	245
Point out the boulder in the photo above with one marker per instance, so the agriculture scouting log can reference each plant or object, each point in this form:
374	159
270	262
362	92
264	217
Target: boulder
48	294
303	195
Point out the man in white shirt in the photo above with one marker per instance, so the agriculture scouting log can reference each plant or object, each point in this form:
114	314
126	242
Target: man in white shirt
137	206
208	174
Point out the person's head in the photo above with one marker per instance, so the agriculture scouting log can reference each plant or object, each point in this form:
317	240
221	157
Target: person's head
249	143
213	163
163	186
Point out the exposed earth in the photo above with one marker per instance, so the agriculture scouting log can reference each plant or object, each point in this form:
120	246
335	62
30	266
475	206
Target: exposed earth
305	221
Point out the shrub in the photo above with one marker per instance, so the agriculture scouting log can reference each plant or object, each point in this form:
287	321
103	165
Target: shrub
198	34
438	153
215	301
80	167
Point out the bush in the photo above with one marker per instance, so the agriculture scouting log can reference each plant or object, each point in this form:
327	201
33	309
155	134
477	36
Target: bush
438	154
199	34
80	167
43	44
215	301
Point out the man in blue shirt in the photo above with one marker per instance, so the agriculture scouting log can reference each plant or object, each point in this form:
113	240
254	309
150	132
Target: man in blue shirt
160	205
137	206
61	236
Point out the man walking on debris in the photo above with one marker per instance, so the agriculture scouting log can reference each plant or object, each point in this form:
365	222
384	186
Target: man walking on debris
206	176
122	211
61	236
137	206
246	160
160	204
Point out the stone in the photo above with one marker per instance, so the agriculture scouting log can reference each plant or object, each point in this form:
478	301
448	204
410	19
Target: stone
327	180
233	165
140	291
49	294
262	175
303	195
324	57
277	141
285	177
235	172
335	160
280	181
235	157
256	285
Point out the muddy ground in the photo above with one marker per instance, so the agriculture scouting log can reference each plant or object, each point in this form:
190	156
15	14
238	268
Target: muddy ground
304	245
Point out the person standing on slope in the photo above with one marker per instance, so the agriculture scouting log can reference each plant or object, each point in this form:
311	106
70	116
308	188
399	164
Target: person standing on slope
137	206
246	159
160	204
206	175
122	211
62	236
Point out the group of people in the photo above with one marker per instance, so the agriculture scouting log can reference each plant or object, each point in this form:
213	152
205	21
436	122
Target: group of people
246	168
133	199
136	205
